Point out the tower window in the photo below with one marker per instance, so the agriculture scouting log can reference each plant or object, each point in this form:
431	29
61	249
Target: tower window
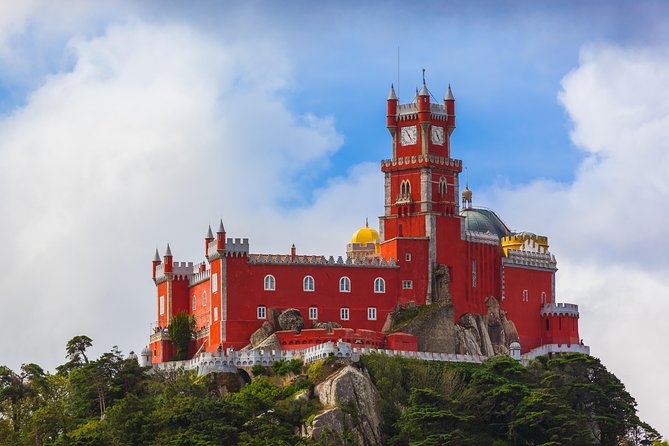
204	299
270	283
261	312
215	314
308	283
474	273
547	325
343	314
214	283
407	284
371	313
379	285
407	257
313	313
194	303
162	304
344	285
543	297
526	297
443	186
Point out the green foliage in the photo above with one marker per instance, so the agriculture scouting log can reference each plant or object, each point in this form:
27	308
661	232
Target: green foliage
259	370
404	315
181	330
283	367
314	370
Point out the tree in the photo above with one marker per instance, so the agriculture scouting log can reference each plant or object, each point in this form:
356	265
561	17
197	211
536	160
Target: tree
181	330
17	388
75	353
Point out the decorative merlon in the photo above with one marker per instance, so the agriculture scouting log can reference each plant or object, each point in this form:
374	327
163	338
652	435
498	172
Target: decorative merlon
559	309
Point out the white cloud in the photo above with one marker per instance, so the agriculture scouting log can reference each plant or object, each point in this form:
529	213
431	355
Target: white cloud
608	227
155	132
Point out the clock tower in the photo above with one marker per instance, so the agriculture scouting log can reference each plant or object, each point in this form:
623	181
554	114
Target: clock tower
421	179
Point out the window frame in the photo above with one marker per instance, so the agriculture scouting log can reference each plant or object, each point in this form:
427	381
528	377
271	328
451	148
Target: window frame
308	280
214	283
313	313
371	313
269	283
347	281
382	288
204	298
261	312
215	314
407	284
344	311
161	305
194	303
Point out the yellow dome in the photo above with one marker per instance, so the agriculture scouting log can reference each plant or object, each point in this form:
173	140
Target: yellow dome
365	235
467	194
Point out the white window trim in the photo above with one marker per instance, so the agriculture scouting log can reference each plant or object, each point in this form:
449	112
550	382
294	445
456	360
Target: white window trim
526	296
161	305
269	283
407	257
215	314
344	314
304	284
204	298
261	312
313	313
407	284
371	313
346	280
382	288
214	283
194	302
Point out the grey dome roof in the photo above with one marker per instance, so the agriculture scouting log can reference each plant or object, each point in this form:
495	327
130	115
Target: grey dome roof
484	220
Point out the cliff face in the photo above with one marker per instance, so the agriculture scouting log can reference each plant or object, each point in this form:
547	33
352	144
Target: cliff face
351	407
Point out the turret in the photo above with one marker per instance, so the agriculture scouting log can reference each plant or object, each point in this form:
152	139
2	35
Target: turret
424	103
292	253
167	260
156	261
220	237
145	357
449	102
391	117
208	238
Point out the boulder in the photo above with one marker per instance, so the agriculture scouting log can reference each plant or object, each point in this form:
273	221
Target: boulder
270	343
273	317
434	329
351	403
261	334
291	319
327	325
467	341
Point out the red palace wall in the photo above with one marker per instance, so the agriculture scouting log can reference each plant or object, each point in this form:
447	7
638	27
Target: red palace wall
560	329
525	313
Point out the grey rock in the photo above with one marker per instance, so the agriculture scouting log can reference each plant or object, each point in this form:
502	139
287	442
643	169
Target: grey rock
291	319
327	325
261	334
270	343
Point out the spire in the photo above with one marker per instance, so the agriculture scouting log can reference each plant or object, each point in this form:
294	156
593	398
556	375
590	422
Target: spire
392	96
366	223
423	90
221	229
449	94
156	258
209	233
168	251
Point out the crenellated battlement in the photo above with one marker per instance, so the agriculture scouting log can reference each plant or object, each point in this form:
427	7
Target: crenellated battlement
233	247
199	277
559	309
282	259
486	238
524	241
530	259
420	161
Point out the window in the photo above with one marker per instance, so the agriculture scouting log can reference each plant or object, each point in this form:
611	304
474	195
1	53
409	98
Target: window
343	314
344	285
313	313
543	297
379	285
308	283
162	304
204	298
474	273
214	283
262	312
405	188
371	313
407	257
270	283
525	296
443	186
194	303
407	284
547	325
215	314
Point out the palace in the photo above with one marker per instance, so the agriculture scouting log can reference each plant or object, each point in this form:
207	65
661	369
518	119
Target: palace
427	239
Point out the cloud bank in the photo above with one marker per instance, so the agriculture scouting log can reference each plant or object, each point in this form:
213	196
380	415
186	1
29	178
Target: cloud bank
609	226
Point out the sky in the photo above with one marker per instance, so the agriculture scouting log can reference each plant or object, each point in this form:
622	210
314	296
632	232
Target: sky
126	125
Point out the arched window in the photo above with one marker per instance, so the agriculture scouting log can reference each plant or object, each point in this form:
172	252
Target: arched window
379	285
204	299
308	283
405	188
443	186
270	283
344	285
543	297
194	304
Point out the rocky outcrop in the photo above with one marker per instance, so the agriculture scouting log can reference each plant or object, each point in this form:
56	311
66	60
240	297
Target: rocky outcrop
441	281
434	329
291	319
270	343
489	334
351	405
327	325
261	334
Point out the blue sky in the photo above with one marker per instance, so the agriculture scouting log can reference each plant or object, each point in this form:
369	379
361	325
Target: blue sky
130	124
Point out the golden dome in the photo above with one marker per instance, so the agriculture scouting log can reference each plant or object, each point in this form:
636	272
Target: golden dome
365	235
467	194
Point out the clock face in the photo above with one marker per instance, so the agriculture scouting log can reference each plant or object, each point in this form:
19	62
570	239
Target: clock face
408	135
438	135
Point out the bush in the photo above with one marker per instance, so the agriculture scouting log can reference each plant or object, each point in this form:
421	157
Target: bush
315	370
283	367
259	370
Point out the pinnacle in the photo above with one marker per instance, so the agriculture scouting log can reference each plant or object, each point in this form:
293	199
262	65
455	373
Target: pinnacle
168	251
449	94
392	96
221	228
209	233
156	258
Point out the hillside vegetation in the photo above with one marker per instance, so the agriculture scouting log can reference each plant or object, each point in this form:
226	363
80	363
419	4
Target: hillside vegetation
571	400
